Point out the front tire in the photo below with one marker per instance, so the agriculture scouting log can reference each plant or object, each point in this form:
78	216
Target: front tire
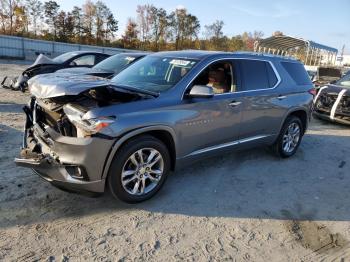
289	138
139	169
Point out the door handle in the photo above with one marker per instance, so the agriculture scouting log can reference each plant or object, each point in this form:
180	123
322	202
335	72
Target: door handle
280	97
235	103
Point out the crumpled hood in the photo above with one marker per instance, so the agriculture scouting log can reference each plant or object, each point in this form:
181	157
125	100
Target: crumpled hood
81	70
54	85
42	60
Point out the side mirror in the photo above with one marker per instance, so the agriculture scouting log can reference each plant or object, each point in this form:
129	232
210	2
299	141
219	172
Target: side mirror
201	91
72	63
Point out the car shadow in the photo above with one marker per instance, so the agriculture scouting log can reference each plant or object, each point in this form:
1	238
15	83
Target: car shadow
11	108
312	185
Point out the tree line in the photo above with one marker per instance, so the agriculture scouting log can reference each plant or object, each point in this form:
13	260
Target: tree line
152	28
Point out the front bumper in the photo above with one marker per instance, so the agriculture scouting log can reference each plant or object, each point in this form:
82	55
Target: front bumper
71	163
332	104
17	83
337	119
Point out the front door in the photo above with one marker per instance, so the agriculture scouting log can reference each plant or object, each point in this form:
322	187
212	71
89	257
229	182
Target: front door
212	123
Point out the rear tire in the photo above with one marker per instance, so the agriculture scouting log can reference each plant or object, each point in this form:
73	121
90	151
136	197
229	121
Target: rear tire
289	138
139	169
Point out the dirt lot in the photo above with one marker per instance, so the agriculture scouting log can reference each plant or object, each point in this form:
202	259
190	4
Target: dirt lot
244	206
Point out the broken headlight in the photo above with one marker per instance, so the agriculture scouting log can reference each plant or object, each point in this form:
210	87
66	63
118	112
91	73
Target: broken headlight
87	126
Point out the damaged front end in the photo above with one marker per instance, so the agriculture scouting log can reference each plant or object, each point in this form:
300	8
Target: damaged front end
333	103
16	83
41	65
62	144
53	148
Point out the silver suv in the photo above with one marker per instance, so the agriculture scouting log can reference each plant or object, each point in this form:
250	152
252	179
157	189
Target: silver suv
84	133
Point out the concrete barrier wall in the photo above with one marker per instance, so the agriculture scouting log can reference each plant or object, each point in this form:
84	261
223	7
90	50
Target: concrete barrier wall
28	49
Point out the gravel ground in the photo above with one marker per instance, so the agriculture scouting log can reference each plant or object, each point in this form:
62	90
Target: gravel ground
246	206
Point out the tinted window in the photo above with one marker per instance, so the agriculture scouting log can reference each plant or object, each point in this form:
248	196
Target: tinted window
271	74
257	75
297	72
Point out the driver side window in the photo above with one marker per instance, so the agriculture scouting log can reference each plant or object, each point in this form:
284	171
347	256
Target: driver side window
220	76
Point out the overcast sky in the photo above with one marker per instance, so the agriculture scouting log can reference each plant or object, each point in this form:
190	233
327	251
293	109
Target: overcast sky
325	22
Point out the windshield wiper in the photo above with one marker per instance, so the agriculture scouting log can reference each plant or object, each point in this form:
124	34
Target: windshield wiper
136	90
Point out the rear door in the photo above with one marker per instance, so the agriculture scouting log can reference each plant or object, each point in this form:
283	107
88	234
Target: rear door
260	108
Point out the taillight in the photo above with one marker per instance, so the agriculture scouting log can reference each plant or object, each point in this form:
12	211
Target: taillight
313	92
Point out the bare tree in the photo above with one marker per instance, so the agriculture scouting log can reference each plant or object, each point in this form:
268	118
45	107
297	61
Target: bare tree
215	35
77	16
35	10
214	30
130	35
8	14
184	27
144	21
159	26
51	12
89	10
105	22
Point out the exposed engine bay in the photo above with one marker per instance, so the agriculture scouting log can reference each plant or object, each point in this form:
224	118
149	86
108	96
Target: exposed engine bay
65	113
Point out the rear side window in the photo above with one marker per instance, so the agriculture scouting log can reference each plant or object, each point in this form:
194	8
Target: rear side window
257	75
272	75
85	60
297	72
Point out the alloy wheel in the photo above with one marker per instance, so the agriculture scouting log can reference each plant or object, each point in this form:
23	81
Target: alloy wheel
291	137
142	171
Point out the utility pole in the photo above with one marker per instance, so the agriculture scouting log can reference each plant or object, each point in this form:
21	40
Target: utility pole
342	51
342	54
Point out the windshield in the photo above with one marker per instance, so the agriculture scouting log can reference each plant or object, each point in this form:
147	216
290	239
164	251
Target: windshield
115	63
154	73
345	81
64	57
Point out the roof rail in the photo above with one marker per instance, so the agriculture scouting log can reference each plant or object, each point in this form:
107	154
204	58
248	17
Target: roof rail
263	54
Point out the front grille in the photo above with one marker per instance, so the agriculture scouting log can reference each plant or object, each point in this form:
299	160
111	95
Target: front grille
344	105
326	101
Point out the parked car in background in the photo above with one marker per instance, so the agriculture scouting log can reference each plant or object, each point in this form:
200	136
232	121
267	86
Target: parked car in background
164	111
108	67
44	65
333	101
323	75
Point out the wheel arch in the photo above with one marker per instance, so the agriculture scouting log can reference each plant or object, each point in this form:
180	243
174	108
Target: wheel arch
164	133
301	113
